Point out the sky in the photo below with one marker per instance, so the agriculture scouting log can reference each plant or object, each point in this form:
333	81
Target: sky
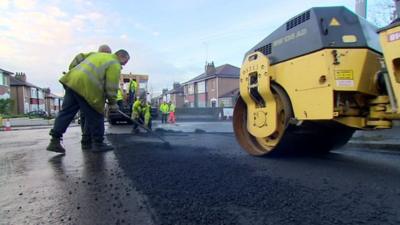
168	40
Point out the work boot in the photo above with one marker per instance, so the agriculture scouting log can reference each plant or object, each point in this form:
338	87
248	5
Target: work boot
102	147
86	143
55	145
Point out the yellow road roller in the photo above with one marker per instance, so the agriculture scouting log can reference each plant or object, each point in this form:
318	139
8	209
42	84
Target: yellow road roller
315	80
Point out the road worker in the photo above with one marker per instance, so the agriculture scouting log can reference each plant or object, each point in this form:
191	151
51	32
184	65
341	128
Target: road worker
141	113
171	117
132	92
86	141
164	109
87	87
120	97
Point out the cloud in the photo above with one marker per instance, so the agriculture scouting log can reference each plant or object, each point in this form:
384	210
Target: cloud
4	4
147	29
124	36
24	4
42	40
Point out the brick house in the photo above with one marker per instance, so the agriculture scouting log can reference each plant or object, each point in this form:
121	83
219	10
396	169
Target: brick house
206	89
53	102
26	96
5	91
175	95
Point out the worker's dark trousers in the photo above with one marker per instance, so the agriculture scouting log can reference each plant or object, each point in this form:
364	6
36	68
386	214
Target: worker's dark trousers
164	117
131	99
120	104
86	135
93	121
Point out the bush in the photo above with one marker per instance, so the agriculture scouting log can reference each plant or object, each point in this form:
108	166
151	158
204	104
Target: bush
6	106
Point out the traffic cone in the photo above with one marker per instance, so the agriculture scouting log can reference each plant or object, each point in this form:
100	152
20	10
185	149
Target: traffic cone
7	125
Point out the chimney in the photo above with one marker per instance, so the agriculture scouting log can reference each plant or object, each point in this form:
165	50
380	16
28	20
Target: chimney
20	76
176	85
361	8
210	68
397	2
46	90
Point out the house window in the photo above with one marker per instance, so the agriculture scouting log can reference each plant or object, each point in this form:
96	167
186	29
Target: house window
33	93
2	79
191	89
201	87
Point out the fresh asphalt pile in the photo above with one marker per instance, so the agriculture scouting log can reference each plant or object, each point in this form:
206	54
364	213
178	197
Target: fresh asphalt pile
207	179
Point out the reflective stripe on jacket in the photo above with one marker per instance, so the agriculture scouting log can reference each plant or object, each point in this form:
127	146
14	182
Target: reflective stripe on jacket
78	59
95	79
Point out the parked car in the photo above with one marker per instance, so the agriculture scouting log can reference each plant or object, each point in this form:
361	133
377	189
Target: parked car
38	113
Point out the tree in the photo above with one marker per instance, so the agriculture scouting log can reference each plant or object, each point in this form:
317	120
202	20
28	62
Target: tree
381	12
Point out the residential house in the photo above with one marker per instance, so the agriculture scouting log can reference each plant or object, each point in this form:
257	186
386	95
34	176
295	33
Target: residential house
206	89
5	84
156	101
175	95
26	96
229	99
53	102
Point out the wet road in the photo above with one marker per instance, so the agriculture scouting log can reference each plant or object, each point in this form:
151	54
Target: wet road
204	179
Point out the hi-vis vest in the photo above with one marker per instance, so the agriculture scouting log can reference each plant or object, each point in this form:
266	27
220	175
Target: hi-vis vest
133	86
139	110
78	59
120	96
164	108
136	109
172	107
96	79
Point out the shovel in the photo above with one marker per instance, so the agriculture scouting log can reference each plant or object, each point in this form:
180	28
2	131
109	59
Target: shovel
165	143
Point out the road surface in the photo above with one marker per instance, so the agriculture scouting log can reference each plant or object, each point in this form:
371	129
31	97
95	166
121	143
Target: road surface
205	178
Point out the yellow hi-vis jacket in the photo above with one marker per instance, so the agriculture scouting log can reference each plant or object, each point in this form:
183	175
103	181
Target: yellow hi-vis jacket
120	96
138	109
147	114
133	86
78	59
172	107
96	79
164	108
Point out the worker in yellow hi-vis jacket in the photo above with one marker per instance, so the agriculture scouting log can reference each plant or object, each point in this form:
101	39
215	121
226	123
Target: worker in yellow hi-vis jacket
141	113
87	87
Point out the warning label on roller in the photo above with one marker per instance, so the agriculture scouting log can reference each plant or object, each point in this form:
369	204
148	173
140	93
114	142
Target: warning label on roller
344	78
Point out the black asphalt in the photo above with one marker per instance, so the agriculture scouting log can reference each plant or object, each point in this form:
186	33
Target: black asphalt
205	178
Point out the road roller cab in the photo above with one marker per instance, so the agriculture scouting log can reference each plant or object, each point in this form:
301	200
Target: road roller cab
315	80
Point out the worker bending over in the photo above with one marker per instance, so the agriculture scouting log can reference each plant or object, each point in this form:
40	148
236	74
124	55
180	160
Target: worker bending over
141	113
87	88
